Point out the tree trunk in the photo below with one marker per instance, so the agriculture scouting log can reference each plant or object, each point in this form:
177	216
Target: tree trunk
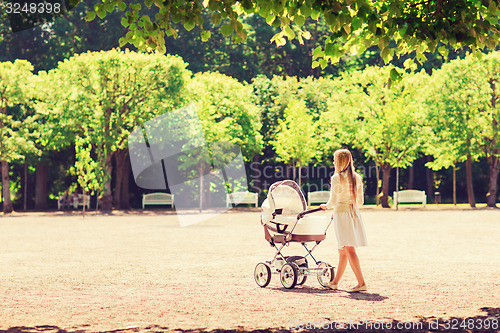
255	173
377	192
41	191
386	176
117	195
454	185
25	194
7	203
119	156
84	201
208	180
397	185
411	177
106	201
429	175
125	195
491	197
200	173
470	186
300	175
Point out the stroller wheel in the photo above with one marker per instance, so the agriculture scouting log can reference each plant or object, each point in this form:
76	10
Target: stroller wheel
289	275
262	274
326	273
301	280
302	265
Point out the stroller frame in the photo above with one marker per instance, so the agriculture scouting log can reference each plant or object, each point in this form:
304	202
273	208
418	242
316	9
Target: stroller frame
293	270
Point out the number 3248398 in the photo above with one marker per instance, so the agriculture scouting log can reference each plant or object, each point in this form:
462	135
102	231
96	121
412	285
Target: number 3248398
486	324
31	8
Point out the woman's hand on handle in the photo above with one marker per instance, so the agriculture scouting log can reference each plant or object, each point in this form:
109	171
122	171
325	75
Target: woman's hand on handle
322	206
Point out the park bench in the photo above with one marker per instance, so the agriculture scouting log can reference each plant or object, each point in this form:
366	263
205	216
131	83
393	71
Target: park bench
318	197
157	198
78	201
410	196
236	198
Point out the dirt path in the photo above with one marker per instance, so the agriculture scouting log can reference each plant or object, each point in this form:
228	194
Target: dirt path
142	272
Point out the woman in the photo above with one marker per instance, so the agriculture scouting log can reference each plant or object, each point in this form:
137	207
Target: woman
346	195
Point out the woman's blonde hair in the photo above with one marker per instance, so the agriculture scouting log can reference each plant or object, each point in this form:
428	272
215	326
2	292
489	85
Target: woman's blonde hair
343	159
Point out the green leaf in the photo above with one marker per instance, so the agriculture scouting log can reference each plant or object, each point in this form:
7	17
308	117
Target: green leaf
330	50
492	8
315	14
330	18
305	10
101	13
109	7
289	32
226	29
299	20
318	52
347	28
421	58
205	35
322	63
356	23
270	19
443	51
148	3
385	54
90	16
408	63
121	6
124	22
395	76
383	42
189	25
216	17
122	41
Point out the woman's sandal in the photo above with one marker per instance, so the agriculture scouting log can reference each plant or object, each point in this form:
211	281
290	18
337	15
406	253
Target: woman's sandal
331	285
358	289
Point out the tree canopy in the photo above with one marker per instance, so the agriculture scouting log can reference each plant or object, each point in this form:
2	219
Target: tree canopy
385	123
397	27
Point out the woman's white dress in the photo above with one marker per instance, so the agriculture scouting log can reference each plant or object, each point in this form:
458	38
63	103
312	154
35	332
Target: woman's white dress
346	217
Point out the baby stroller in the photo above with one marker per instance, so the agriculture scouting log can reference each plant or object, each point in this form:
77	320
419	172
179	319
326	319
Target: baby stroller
285	221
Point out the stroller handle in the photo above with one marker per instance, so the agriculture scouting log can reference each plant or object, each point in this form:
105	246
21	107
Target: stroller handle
301	215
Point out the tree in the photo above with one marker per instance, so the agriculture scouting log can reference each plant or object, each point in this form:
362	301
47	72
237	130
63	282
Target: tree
355	24
464	118
491	129
15	134
227	115
384	122
111	93
296	141
88	171
45	45
453	102
244	61
57	135
272	97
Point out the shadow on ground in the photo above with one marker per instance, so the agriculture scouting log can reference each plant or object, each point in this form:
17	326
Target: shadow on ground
365	296
490	322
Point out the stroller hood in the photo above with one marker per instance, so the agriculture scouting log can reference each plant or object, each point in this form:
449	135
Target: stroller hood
284	198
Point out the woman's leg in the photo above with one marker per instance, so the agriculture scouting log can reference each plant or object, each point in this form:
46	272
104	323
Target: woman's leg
354	262
341	267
